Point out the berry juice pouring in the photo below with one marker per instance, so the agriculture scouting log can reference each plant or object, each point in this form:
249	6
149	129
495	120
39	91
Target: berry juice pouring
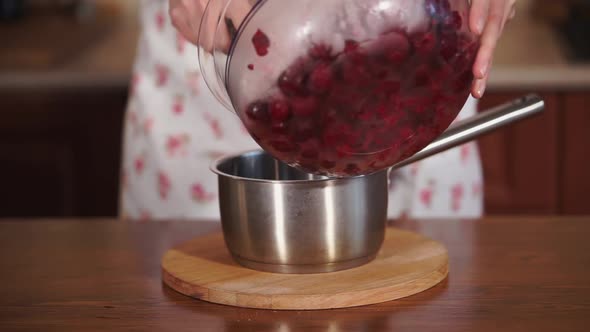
341	87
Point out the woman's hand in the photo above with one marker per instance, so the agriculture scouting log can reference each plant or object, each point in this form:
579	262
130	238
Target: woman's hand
487	19
187	15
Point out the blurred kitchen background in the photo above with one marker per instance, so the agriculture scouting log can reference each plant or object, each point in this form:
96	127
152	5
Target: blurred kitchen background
65	67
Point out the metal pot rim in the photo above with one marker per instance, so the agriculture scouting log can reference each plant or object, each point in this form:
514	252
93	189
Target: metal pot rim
214	167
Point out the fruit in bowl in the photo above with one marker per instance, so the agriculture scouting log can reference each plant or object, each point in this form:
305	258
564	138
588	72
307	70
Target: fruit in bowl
370	104
340	87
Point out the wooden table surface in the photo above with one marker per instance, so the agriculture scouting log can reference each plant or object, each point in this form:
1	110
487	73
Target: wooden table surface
506	274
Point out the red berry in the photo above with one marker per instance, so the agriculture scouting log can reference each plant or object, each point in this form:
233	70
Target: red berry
393	47
448	45
341	95
283	145
350	46
261	43
328	164
388	87
304	106
352	169
343	150
304	129
424	43
258	111
422	76
309	154
251	66
368	107
321	52
405	133
291	81
279	128
463	81
355	74
454	20
279	110
321	78
308	168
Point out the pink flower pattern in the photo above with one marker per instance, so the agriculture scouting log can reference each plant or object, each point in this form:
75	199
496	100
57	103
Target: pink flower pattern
426	196
214	126
178	105
148	124
199	194
465	152
164	185
139	165
176	145
456	196
160	19
193	82
162	74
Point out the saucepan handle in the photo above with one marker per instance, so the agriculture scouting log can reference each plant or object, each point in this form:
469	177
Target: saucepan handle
480	124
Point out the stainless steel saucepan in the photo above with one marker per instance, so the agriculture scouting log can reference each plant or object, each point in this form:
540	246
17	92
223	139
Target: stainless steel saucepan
276	218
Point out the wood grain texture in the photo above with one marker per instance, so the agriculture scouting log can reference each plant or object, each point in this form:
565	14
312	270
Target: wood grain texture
408	263
520	162
60	151
507	274
575	172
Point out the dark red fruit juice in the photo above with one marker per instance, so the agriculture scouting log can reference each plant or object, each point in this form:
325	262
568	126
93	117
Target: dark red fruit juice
371	105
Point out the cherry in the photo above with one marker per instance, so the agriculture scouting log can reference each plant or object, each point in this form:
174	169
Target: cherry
321	52
304	106
279	128
355	73
448	45
422	76
303	130
261	43
321	78
350	46
454	20
328	164
393	47
283	145
352	169
279	110
388	87
291	81
309	154
424	43
371	105
258	111
463	81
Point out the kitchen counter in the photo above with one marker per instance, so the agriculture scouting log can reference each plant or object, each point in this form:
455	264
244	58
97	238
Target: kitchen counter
529	56
508	274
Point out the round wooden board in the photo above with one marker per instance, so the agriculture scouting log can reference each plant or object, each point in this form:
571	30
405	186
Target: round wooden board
408	263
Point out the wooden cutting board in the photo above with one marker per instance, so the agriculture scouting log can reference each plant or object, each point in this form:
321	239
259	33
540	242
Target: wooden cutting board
408	263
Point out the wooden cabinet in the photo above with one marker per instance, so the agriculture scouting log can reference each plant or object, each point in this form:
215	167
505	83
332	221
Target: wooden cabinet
539	166
520	161
60	152
575	154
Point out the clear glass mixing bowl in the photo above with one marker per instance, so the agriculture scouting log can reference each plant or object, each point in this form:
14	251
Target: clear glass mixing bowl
339	87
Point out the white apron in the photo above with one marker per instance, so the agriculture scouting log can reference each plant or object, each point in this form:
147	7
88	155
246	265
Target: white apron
174	128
